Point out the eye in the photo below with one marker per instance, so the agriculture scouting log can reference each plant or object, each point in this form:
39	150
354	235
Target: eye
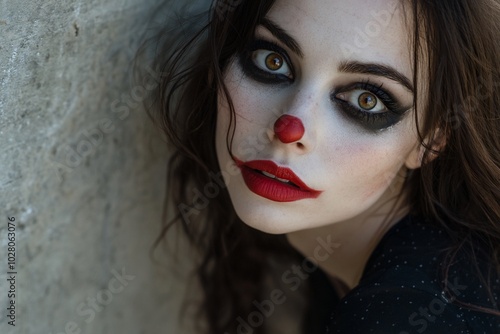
266	62
369	106
271	61
364	100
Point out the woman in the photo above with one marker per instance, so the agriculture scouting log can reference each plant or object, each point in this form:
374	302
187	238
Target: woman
356	140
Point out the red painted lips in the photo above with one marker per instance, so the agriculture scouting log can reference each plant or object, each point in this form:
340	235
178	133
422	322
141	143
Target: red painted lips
290	188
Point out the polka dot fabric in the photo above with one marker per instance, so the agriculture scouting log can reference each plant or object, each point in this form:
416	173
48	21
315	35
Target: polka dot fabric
403	289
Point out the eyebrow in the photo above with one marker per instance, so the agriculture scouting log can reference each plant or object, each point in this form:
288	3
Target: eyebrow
284	37
376	69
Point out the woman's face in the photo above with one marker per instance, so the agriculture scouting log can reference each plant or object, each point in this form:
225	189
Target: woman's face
347	75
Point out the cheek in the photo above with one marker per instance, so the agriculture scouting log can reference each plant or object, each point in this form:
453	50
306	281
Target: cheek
252	121
381	182
386	174
365	166
249	131
253	102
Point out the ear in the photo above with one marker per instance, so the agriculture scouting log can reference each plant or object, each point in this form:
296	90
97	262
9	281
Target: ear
414	159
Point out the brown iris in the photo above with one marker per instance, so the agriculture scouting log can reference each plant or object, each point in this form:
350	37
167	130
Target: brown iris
274	61
367	101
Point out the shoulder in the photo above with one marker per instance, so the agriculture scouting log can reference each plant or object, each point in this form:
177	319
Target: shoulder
405	290
382	308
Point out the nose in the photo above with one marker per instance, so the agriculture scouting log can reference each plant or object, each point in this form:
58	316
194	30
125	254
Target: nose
295	121
289	128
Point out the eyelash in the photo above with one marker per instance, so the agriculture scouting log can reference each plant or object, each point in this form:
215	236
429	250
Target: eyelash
394	109
370	120
258	74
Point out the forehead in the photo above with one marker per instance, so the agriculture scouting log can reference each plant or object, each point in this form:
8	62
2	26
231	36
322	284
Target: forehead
339	30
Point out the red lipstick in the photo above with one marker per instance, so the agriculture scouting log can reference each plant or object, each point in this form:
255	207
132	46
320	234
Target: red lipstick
279	184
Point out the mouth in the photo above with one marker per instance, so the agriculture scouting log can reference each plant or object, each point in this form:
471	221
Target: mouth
274	177
265	178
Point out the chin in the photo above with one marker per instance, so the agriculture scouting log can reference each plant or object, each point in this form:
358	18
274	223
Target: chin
269	226
267	220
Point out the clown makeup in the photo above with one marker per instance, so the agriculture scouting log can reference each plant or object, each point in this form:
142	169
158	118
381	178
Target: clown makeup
343	69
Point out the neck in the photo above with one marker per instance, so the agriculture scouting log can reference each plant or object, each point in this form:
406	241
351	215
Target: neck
353	241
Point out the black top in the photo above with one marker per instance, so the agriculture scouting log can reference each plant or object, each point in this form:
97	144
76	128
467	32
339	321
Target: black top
401	289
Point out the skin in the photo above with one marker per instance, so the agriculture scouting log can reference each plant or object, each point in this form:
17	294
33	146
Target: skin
359	170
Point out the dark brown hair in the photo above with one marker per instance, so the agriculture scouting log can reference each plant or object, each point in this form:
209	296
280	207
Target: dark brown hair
459	41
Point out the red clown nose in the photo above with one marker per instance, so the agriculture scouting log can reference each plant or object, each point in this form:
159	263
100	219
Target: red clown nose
288	128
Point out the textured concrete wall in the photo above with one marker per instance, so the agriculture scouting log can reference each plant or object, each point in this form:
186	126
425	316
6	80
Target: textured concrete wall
81	171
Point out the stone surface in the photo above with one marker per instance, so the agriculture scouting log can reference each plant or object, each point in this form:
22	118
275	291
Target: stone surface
82	171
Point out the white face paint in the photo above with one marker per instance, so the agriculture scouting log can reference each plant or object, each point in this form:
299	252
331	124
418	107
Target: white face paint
349	88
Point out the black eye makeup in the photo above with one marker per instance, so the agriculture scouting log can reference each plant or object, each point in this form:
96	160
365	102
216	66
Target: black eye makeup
368	105
266	62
